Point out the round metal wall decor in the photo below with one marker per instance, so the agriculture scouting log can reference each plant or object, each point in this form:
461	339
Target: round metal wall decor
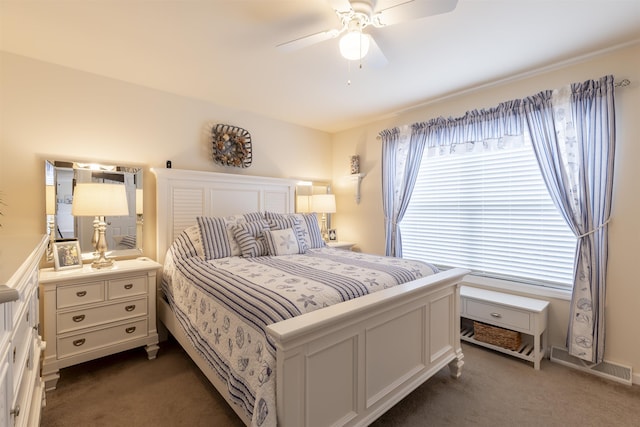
231	146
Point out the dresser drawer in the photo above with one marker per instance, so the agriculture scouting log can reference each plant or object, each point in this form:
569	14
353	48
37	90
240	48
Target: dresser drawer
84	342
126	287
24	391
86	293
84	318
498	315
20	347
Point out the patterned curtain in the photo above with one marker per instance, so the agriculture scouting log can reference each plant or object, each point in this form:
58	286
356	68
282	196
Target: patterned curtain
572	131
573	135
401	158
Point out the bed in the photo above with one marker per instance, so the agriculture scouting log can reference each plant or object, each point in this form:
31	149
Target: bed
339	364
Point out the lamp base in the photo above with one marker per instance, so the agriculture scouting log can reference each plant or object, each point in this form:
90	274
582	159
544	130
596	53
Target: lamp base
101	247
102	263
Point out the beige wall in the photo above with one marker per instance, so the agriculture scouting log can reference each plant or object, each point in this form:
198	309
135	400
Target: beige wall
364	223
52	112
47	111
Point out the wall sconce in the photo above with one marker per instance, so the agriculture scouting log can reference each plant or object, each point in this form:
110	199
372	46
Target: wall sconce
100	200
324	204
356	175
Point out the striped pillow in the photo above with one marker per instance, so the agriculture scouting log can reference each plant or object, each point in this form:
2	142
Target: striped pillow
215	240
250	238
282	242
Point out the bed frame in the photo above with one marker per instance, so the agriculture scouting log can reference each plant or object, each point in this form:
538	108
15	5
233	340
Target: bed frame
342	365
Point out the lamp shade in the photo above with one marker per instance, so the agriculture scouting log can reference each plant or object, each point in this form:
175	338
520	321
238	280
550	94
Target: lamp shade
354	45
323	203
303	204
97	199
50	200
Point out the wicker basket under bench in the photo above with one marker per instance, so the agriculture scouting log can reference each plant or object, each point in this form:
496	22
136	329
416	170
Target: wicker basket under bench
507	323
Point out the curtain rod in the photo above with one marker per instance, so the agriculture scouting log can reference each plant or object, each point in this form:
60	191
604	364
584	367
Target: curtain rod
621	83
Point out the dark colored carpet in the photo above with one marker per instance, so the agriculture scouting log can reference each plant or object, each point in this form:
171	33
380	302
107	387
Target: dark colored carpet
495	390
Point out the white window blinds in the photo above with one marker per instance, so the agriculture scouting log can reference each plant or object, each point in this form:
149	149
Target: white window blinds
489	212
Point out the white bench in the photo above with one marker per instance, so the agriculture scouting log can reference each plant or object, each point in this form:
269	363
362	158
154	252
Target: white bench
525	315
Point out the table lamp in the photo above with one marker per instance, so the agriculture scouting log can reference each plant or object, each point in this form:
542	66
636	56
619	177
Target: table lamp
100	200
324	204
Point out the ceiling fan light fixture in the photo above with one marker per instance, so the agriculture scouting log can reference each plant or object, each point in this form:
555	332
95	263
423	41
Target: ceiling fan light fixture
354	45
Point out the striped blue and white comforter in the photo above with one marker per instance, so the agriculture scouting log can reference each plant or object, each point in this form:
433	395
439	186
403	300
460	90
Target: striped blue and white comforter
225	304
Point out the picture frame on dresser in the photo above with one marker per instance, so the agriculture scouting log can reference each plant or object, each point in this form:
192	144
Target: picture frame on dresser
66	254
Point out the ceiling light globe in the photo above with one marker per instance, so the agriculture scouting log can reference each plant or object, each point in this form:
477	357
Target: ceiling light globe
354	45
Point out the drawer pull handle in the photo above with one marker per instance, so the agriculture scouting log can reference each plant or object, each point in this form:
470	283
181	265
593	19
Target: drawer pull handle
128	286
78	318
81	293
79	342
496	315
130	330
15	412
130	307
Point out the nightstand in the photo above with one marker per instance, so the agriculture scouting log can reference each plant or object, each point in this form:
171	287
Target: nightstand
90	313
340	245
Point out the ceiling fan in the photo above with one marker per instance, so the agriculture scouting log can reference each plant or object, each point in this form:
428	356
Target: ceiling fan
356	15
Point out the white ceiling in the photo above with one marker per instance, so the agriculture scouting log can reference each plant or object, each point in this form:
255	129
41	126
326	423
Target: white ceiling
224	51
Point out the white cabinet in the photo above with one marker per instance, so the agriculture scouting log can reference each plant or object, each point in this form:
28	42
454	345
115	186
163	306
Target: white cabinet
525	315
90	313
21	388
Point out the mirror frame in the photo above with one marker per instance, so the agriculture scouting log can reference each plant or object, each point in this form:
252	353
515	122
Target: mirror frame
55	197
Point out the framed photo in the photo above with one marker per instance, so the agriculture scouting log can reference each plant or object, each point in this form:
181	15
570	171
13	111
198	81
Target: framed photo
333	235
66	254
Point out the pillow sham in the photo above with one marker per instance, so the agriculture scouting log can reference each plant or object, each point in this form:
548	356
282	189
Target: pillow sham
250	238
282	242
215	238
308	224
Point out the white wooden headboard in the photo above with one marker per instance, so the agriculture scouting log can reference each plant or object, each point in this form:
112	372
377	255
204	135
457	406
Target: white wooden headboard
183	195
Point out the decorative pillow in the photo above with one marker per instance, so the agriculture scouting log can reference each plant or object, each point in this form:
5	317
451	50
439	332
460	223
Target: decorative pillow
215	238
282	242
218	237
294	224
250	238
308	224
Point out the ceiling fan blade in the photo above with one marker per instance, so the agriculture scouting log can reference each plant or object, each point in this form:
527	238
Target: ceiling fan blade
305	41
375	57
340	5
403	10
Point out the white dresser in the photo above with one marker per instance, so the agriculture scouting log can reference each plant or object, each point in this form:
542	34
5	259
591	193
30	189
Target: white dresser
21	388
89	313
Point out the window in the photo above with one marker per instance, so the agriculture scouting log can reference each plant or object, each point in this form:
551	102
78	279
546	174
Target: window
489	212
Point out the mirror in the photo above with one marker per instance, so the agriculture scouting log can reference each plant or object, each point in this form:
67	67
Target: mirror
123	233
304	191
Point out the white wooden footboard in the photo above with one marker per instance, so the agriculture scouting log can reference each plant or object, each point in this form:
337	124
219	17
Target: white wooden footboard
349	363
